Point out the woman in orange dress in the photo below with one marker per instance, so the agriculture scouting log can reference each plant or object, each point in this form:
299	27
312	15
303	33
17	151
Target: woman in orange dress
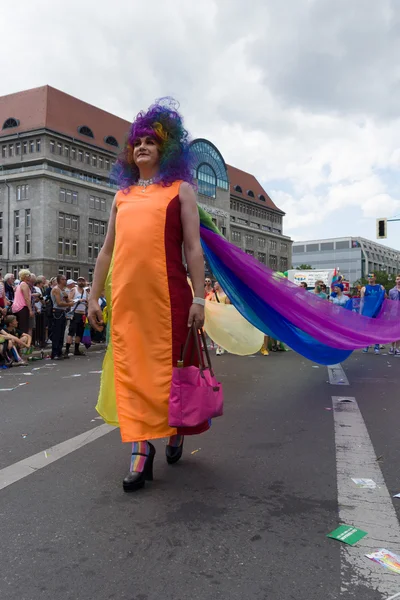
152	217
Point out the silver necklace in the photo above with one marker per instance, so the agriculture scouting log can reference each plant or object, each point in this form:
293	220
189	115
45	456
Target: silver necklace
144	183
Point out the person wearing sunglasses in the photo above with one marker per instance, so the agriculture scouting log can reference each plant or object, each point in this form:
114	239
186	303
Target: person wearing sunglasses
208	288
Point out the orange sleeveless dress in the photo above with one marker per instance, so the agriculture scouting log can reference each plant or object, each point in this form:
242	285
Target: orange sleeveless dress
150	301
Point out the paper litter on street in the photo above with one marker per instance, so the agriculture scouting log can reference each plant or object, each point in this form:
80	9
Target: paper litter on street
396	496
13	388
348	534
364	483
386	559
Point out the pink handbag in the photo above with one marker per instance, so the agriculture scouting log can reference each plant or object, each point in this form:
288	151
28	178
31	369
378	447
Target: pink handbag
196	396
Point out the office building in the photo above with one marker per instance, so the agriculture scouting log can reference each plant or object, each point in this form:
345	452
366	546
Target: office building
354	256
56	153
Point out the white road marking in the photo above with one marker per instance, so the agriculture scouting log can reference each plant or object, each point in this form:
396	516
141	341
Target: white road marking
369	509
29	465
337	376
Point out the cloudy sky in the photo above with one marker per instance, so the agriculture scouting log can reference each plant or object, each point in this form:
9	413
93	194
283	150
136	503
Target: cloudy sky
304	94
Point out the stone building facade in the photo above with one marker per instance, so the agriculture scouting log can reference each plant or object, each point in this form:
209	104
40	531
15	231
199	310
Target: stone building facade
56	153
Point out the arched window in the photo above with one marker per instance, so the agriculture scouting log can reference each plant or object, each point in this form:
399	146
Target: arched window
207	180
85	130
261	197
250	193
204	152
10	122
111	141
237	188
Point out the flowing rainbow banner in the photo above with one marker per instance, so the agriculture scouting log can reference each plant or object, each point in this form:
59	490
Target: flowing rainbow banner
319	330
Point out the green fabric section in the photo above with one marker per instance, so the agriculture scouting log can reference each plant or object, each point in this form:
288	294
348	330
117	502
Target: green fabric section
206	220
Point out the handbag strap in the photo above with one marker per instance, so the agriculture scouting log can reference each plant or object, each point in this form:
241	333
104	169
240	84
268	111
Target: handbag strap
193	331
203	337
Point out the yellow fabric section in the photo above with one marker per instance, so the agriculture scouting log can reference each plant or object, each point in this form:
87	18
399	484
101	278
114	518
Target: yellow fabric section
228	329
107	404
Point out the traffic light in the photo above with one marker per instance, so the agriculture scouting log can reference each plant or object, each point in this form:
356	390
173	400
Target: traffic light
381	229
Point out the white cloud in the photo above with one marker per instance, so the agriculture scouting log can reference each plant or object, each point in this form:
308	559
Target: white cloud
304	92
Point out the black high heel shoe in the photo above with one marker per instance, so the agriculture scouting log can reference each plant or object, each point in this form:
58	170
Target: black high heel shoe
134	481
173	453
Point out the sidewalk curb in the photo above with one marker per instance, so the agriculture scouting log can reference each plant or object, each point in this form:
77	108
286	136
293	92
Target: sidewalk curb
47	350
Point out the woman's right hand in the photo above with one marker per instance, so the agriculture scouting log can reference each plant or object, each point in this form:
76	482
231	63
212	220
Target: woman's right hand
95	315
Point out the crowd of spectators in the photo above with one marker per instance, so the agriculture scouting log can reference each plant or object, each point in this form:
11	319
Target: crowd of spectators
36	313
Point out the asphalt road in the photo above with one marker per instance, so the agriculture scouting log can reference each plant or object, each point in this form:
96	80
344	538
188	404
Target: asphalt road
244	514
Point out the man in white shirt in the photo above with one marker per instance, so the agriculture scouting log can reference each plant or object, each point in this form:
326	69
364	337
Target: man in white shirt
80	296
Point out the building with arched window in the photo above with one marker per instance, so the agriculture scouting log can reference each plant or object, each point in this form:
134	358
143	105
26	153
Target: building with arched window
56	153
240	207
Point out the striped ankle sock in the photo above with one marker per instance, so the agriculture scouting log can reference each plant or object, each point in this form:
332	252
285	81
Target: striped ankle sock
138	461
175	441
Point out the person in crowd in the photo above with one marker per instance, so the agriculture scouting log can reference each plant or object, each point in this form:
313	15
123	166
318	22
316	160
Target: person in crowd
318	290
208	288
339	298
101	336
71	284
370	290
22	305
23	340
152	216
264	348
61	303
40	311
3	298
34	299
303	284
394	294
218	295
324	290
9	286
79	296
208	292
16	340
49	307
102	300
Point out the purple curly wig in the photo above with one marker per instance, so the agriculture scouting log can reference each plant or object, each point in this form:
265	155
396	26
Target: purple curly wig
163	122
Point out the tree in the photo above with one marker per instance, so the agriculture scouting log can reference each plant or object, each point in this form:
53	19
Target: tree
305	268
382	277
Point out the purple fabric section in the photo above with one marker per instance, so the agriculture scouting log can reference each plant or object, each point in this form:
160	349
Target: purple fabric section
329	324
